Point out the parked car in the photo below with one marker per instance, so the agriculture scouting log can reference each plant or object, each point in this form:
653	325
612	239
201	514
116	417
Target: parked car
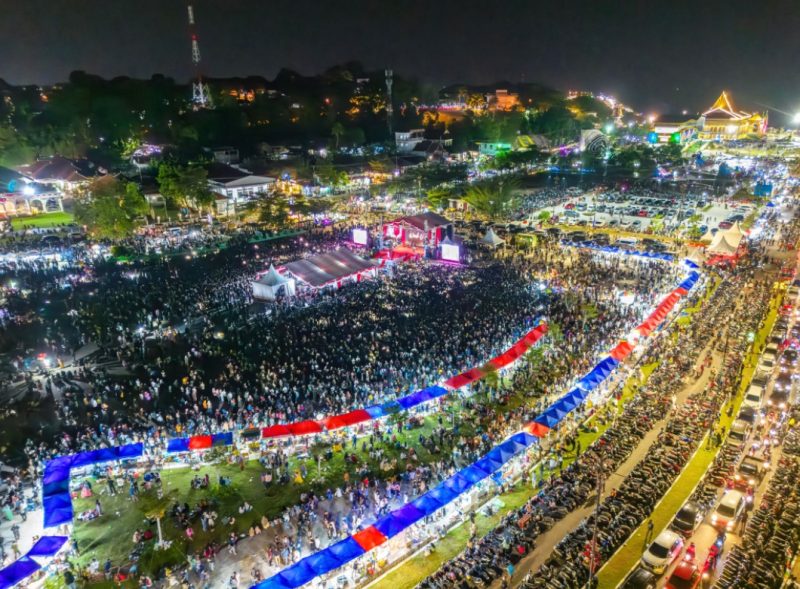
740	429
686	575
749	414
754	397
662	552
687	519
640	578
728	510
788	360
749	473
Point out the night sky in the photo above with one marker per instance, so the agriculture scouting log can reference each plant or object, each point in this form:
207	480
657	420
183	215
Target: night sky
656	55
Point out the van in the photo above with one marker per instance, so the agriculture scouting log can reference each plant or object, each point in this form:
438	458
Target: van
627	241
728	511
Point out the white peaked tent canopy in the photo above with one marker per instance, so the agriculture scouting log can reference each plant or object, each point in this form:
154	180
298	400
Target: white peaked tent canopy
721	245
491	238
269	285
707	236
734	233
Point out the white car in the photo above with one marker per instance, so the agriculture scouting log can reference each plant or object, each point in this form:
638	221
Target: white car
767	363
728	510
665	548
753	397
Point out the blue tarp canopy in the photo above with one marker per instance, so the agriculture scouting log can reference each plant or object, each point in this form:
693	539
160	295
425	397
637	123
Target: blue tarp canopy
390	526
488	464
427	504
130	451
567	403
223	439
500	454
457	483
346	550
421	397
442	494
547	420
690	264
375	411
178	445
556	411
274	582
524	438
399	520
47	546
576	395
54	474
57	509
391	407
298	574
55	488
409	514
473	474
17	571
322	562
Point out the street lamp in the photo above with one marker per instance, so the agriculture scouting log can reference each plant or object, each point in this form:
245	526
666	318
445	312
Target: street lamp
796	118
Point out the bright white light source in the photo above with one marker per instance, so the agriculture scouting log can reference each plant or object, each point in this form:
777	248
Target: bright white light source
451	253
360	236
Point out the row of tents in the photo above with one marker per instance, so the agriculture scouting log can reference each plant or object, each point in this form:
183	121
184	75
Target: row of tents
388	526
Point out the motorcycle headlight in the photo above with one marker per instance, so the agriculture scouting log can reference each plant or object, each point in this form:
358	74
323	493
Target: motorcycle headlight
713	518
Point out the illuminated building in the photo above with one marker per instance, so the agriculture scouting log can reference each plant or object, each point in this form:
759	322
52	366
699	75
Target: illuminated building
722	122
676	128
502	100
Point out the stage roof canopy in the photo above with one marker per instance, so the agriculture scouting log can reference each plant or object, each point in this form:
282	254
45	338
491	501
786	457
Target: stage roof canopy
322	269
418	221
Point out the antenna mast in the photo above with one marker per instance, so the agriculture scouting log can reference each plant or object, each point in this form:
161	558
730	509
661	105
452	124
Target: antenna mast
201	95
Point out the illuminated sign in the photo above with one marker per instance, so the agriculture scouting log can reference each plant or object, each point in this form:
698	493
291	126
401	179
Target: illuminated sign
451	253
360	236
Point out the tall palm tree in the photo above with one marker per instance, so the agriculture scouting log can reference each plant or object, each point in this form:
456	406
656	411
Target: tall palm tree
337	130
494	199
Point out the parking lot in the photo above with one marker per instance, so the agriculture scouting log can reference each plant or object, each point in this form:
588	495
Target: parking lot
648	212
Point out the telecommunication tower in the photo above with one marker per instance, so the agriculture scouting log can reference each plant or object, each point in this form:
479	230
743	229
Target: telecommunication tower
201	95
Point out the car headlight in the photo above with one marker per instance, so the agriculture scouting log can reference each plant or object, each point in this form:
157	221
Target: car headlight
751	481
729	526
737	477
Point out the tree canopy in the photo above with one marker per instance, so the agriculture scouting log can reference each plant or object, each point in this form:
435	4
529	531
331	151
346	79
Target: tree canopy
113	209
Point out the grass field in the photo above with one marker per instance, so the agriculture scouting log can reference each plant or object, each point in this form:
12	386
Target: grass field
42	221
111	535
618	566
411	572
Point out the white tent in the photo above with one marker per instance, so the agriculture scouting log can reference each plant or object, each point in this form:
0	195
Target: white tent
734	234
708	236
491	238
721	245
269	285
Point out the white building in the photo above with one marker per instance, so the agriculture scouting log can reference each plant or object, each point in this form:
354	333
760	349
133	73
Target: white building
238	184
407	140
